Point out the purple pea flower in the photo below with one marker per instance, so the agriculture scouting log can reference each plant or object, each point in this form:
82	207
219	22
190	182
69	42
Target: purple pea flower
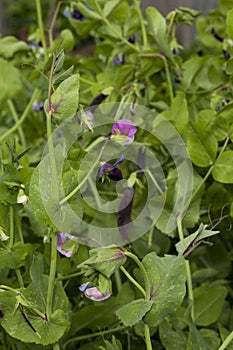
124	127
111	170
93	293
61	240
37	106
76	14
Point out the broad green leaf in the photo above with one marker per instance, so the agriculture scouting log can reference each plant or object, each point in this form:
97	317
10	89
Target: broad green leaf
229	23
36	270
196	340
66	98
202	146
109	6
9	46
36	202
208	305
171	336
15	257
223	168
101	315
211	337
190	69
132	313
178	112
105	260
10	80
157	24
46	331
167	278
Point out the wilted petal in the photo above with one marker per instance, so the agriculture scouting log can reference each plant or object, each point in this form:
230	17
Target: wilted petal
94	294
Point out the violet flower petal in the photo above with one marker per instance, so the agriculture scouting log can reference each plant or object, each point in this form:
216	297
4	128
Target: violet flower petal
61	239
94	294
124	127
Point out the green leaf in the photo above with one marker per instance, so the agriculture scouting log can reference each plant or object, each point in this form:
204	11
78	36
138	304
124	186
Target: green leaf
86	12
9	46
10	80
35	198
229	66
178	112
101	315
157	24
171	336
66	98
105	260
36	270
223	168
114	345
109	6
202	146
195	339
46	331
15	257
194	238
229	23
208	305
132	313
167	277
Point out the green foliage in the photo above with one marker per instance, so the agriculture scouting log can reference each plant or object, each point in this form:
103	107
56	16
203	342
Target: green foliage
167	289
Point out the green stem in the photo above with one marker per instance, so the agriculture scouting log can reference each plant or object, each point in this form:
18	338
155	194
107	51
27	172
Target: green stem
210	170
11	230
137	285
118	280
120	37
16	119
143	271
21	120
56	346
2	286
41	27
226	342
52	274
150	236
147	337
142	22
169	82
166	67
19	229
77	188
169	27
147	295
86	81
54	17
55	191
19	276
94	143
76	274
188	271
154	181
93	335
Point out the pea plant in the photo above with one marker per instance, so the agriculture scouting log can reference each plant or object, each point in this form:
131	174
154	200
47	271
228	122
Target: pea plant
116	180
